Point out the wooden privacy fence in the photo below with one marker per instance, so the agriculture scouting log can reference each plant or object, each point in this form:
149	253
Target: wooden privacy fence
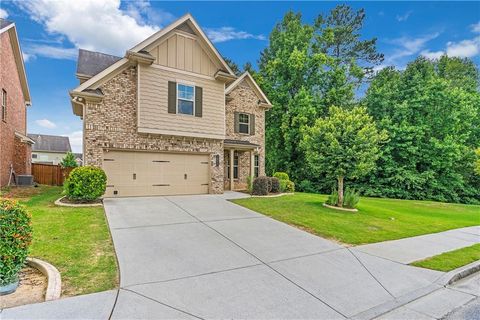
50	174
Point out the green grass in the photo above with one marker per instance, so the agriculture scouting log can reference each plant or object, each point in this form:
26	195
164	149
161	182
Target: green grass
75	240
451	260
376	220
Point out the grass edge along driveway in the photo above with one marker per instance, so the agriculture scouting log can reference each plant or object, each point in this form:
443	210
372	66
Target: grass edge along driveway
377	219
75	240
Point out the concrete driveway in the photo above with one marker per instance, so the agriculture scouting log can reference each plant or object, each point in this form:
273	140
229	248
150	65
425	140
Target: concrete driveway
205	257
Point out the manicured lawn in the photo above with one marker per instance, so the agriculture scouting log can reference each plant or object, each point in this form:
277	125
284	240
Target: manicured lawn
377	219
75	240
451	260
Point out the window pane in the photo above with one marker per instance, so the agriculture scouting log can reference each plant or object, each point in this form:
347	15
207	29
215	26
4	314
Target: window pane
185	107
243	118
185	92
235	172
243	128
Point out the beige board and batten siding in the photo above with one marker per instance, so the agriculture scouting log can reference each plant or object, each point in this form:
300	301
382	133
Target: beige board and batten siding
184	52
153	116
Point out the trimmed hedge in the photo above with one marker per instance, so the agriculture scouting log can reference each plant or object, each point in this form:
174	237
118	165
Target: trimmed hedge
281	176
275	183
260	186
85	184
15	239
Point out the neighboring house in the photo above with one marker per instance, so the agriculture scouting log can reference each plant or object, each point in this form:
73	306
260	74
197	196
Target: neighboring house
170	117
15	146
49	149
78	159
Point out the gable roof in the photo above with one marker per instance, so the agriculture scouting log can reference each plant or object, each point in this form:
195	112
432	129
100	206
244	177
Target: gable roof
9	26
248	77
90	62
142	46
50	143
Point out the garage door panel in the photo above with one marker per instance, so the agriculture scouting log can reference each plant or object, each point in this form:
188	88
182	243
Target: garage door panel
144	173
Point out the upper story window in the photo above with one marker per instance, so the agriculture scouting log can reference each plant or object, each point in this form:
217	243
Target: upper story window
185	99
244	123
4	105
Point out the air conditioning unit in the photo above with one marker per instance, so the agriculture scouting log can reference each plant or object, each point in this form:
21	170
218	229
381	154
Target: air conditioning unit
24	180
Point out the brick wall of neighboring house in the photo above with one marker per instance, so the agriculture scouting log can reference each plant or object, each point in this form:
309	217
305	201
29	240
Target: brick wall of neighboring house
243	99
16	110
112	124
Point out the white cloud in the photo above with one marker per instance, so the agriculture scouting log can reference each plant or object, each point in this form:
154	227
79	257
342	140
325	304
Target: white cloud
53	52
89	24
404	17
76	140
432	54
3	13
228	33
464	49
142	12
475	27
27	57
407	46
46	123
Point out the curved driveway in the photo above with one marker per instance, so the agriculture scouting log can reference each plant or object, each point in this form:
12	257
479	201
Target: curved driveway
205	257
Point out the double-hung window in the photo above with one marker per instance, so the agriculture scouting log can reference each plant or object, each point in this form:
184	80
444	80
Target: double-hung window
244	123
185	99
4	105
256	166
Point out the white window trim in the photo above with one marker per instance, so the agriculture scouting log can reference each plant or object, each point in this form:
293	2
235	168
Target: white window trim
193	100
248	124
3	115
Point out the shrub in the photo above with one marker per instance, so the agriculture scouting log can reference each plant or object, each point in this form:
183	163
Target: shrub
307	186
85	184
15	238
351	198
260	186
281	176
275	185
290	187
332	198
69	161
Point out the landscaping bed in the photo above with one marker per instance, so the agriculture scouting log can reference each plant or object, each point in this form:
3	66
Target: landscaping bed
451	260
75	240
31	289
376	220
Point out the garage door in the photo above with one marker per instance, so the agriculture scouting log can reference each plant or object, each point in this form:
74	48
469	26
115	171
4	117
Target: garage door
150	174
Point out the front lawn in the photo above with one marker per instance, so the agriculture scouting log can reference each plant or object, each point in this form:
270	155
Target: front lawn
75	240
451	260
376	220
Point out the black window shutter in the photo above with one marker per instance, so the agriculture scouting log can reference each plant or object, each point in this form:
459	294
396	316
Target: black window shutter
252	124
198	101
172	97
236	123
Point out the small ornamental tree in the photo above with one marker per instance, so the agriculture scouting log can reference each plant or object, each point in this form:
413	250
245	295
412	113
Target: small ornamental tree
69	161
345	144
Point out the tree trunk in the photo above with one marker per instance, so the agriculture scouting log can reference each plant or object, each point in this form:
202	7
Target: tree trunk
340	191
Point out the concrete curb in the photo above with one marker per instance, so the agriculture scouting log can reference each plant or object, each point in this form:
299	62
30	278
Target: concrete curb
59	202
338	208
274	195
54	286
459	273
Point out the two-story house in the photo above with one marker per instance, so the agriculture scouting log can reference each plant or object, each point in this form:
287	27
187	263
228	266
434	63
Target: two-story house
15	146
49	149
170	117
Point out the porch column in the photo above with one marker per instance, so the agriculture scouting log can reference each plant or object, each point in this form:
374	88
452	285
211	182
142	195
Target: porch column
252	165
231	168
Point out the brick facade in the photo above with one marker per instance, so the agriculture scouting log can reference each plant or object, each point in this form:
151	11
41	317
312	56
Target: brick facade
244	99
12	150
112	125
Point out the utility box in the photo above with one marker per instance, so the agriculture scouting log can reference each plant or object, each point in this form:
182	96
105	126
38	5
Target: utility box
24	180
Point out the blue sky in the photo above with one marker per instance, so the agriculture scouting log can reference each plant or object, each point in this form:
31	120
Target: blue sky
51	33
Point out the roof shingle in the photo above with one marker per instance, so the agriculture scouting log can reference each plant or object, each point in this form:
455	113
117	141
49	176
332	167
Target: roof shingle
50	143
90	63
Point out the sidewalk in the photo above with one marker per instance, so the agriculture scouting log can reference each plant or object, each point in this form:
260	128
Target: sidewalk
413	249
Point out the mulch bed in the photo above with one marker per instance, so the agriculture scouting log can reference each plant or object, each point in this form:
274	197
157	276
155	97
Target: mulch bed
68	201
31	289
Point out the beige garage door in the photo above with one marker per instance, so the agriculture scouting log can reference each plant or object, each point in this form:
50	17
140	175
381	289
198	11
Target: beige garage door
151	174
